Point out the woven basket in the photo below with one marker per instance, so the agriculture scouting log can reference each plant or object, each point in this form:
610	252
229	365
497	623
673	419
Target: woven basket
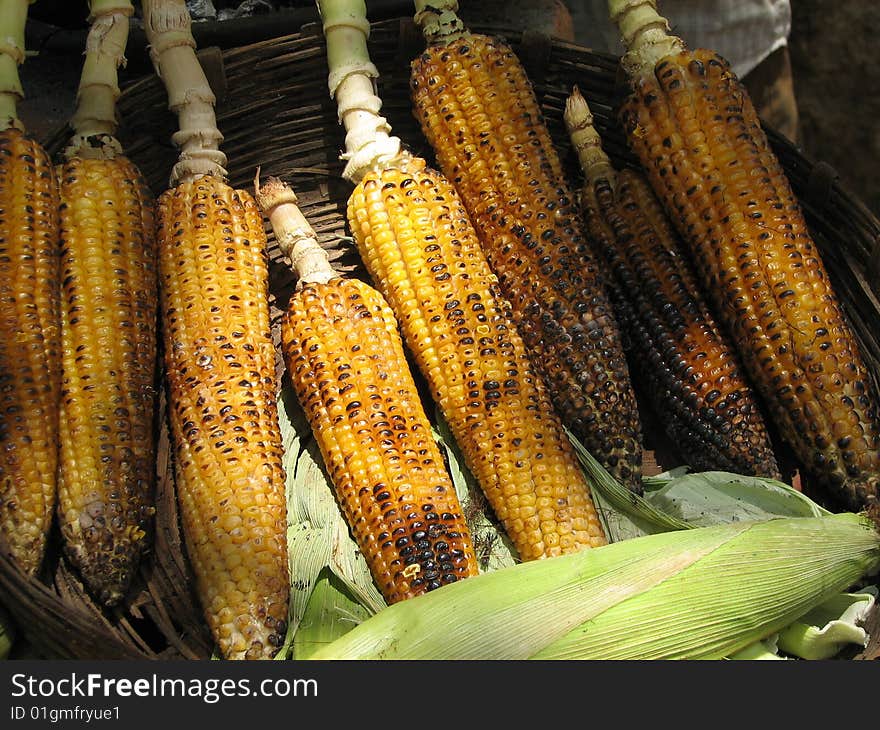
275	112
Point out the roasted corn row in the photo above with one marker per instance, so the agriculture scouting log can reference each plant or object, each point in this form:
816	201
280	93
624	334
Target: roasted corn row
30	350
691	123
108	334
345	359
220	368
421	250
689	372
417	241
480	114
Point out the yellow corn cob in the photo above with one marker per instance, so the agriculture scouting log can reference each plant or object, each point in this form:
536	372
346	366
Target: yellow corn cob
419	246
690	121
387	470
220	367
691	374
30	330
480	115
220	364
108	328
346	362
30	352
107	465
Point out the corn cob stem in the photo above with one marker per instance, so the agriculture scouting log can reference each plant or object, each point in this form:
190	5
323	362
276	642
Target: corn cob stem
691	374
346	362
594	163
172	51
29	316
690	121
645	35
108	328
351	83
421	250
99	84
220	365
13	18
294	234
439	20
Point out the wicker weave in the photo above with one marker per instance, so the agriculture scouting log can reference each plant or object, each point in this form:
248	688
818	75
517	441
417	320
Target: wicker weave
275	111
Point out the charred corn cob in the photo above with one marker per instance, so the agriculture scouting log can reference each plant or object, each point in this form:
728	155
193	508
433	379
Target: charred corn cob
346	361
690	121
690	373
421	250
30	351
108	330
480	115
220	366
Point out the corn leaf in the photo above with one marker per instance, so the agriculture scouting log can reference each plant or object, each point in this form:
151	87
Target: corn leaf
492	546
681	500
707	498
825	630
331	612
701	593
759	650
642	516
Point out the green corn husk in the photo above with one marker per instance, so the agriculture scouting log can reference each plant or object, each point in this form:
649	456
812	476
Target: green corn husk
826	629
706	593
332	611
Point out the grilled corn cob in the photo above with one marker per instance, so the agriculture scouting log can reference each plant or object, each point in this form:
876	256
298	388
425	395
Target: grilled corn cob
690	121
420	248
345	359
30	350
692	376
479	112
108	329
220	366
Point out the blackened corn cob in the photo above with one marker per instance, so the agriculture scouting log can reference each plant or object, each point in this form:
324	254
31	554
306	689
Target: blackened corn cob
418	244
30	350
691	122
480	115
347	364
691	374
220	368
